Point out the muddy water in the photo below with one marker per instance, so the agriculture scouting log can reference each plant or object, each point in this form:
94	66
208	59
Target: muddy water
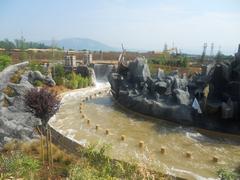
156	134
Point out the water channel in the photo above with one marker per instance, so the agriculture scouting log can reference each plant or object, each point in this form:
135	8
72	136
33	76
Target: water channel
157	135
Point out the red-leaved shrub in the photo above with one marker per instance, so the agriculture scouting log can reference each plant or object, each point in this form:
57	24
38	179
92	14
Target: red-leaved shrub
42	103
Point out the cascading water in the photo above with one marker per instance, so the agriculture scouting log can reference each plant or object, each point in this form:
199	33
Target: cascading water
102	71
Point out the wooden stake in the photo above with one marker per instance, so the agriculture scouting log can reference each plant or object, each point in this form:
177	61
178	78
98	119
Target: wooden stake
47	136
42	144
50	138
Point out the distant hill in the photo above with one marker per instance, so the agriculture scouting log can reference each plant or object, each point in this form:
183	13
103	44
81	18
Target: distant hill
80	44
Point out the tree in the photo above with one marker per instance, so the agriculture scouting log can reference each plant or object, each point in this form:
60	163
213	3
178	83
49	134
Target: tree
7	45
5	60
42	103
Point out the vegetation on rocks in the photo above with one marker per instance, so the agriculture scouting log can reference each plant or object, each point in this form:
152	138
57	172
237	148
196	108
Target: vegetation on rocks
70	79
5	60
43	103
36	66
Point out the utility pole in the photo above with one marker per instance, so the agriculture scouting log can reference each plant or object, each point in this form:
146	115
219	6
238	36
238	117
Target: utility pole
211	52
53	47
165	47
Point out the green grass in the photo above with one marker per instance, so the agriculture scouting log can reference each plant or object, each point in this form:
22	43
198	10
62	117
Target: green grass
18	165
23	160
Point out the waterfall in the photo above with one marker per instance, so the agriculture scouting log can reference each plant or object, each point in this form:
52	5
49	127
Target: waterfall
102	71
93	77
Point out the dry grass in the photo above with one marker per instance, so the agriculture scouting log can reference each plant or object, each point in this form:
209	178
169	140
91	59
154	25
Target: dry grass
89	164
58	89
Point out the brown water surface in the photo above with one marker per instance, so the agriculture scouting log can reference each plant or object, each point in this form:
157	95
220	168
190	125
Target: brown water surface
156	134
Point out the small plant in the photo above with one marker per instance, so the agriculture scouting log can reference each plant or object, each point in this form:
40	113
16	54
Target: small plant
16	78
9	91
38	83
43	103
225	174
19	166
35	66
5	60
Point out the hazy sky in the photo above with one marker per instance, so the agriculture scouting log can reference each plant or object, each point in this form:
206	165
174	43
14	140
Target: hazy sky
139	24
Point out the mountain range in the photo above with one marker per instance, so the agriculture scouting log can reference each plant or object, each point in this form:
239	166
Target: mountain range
80	44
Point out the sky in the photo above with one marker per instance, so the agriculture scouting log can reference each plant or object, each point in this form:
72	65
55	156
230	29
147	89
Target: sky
138	24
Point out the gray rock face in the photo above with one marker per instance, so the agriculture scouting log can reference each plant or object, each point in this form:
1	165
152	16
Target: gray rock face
36	75
7	73
183	97
15	122
161	87
22	88
170	97
138	70
160	74
165	97
16	125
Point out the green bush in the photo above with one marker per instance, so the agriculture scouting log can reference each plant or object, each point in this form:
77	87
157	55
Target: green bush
19	166
37	83
73	84
35	66
5	60
59	80
58	71
71	80
225	174
59	74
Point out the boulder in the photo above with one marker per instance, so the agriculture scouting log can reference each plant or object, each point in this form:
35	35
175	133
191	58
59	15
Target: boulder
139	70
37	75
161	87
22	88
160	74
16	125
183	97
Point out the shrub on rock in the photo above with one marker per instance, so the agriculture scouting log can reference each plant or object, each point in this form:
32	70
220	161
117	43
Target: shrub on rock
42	103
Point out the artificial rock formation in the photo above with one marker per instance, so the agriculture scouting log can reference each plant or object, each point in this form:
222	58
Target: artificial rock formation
38	76
216	89
16	123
